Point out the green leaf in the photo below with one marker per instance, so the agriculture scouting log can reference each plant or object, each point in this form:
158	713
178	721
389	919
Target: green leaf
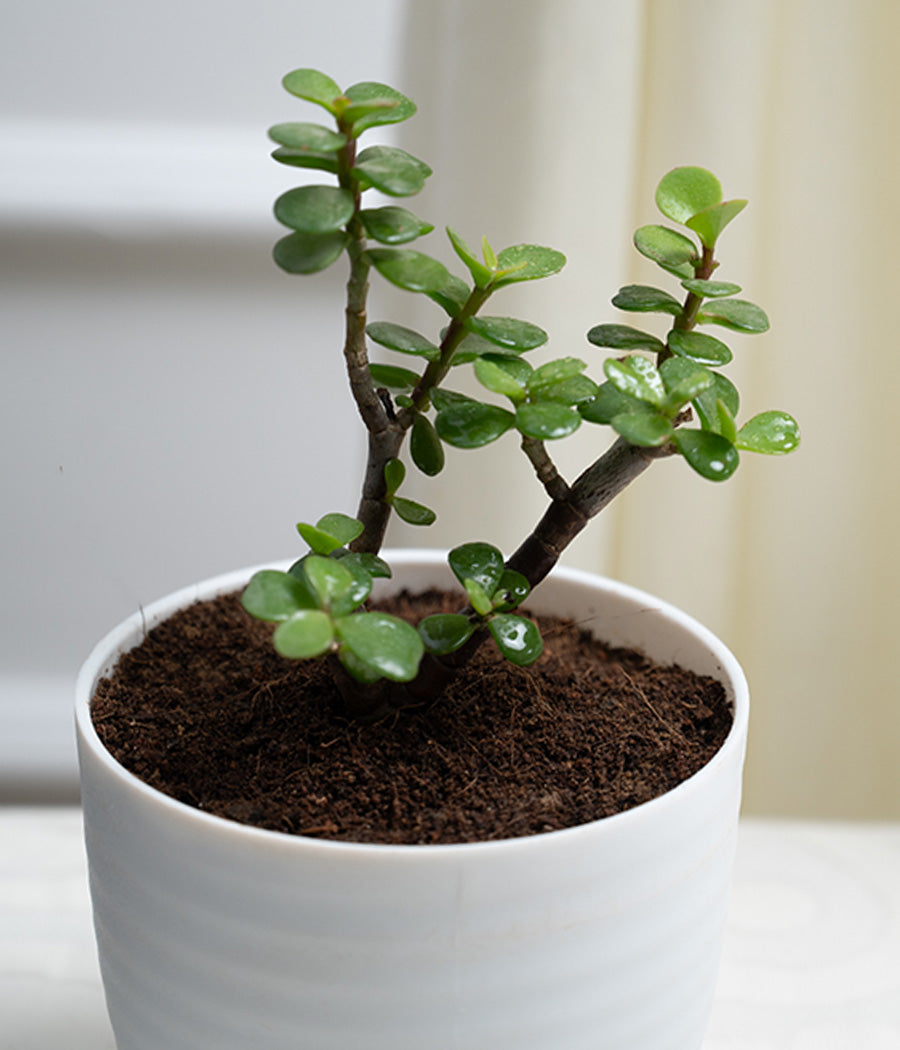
452	295
319	541
547	420
667	248
357	561
498	380
711	289
685	191
413	513
306	634
393	225
482	275
710	454
329	579
477	561
518	639
623	337
403	340
511	591
386	643
341	526
375	104
309	252
472	424
684	380
571	391
310	138
736	314
644	427
393	377
394	475
774	433
706	403
507	332
698	347
710	222
726	426
478	597
391	170
302	158
276	596
357	668
608	403
527	262
313	86
637	377
425	447
412	271
554	372
315	209
641	298
444	633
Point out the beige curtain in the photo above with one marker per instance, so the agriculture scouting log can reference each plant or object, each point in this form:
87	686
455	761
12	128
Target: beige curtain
551	121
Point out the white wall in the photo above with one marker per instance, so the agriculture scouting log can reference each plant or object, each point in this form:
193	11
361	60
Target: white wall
159	374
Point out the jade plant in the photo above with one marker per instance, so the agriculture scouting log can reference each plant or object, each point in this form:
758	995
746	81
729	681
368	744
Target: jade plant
662	396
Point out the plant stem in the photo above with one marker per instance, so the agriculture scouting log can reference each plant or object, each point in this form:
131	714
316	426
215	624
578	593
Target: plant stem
554	484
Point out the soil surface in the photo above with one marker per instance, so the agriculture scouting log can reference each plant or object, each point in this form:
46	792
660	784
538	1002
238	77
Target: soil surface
206	711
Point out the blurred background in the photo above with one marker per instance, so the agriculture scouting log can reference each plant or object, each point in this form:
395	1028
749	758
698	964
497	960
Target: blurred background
172	402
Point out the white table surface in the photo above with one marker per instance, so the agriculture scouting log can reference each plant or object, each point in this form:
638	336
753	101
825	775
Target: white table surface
811	960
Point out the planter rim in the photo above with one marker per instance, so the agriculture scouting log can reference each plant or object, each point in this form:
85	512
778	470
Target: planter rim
104	655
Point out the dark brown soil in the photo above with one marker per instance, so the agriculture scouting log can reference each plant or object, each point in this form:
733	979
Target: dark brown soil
206	711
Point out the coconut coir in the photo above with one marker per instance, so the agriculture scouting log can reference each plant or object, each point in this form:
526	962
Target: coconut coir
204	710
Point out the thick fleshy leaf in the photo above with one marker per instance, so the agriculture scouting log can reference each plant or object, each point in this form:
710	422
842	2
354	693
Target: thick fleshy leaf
698	347
644	427
472	424
313	86
452	295
774	433
329	579
547	420
637	377
527	262
498	380
570	391
710	454
518	639
445	632
623	337
684	380
412	271
393	377
403	340
425	446
312	138
737	314
710	222
477	561
315	209
640	298
726	427
276	596
305	635
357	668
511	591
481	273
391	170
341	526
667	248
478	597
320	542
367	92
394	475
393	225
304	158
555	372
357	561
508	332
413	513
706	403
307	253
711	289
608	403
389	645
684	191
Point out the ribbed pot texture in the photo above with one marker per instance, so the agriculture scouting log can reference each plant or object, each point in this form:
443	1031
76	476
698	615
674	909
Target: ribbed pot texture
215	935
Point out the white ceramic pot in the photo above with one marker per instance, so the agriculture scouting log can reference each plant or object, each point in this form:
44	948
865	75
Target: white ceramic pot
214	935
